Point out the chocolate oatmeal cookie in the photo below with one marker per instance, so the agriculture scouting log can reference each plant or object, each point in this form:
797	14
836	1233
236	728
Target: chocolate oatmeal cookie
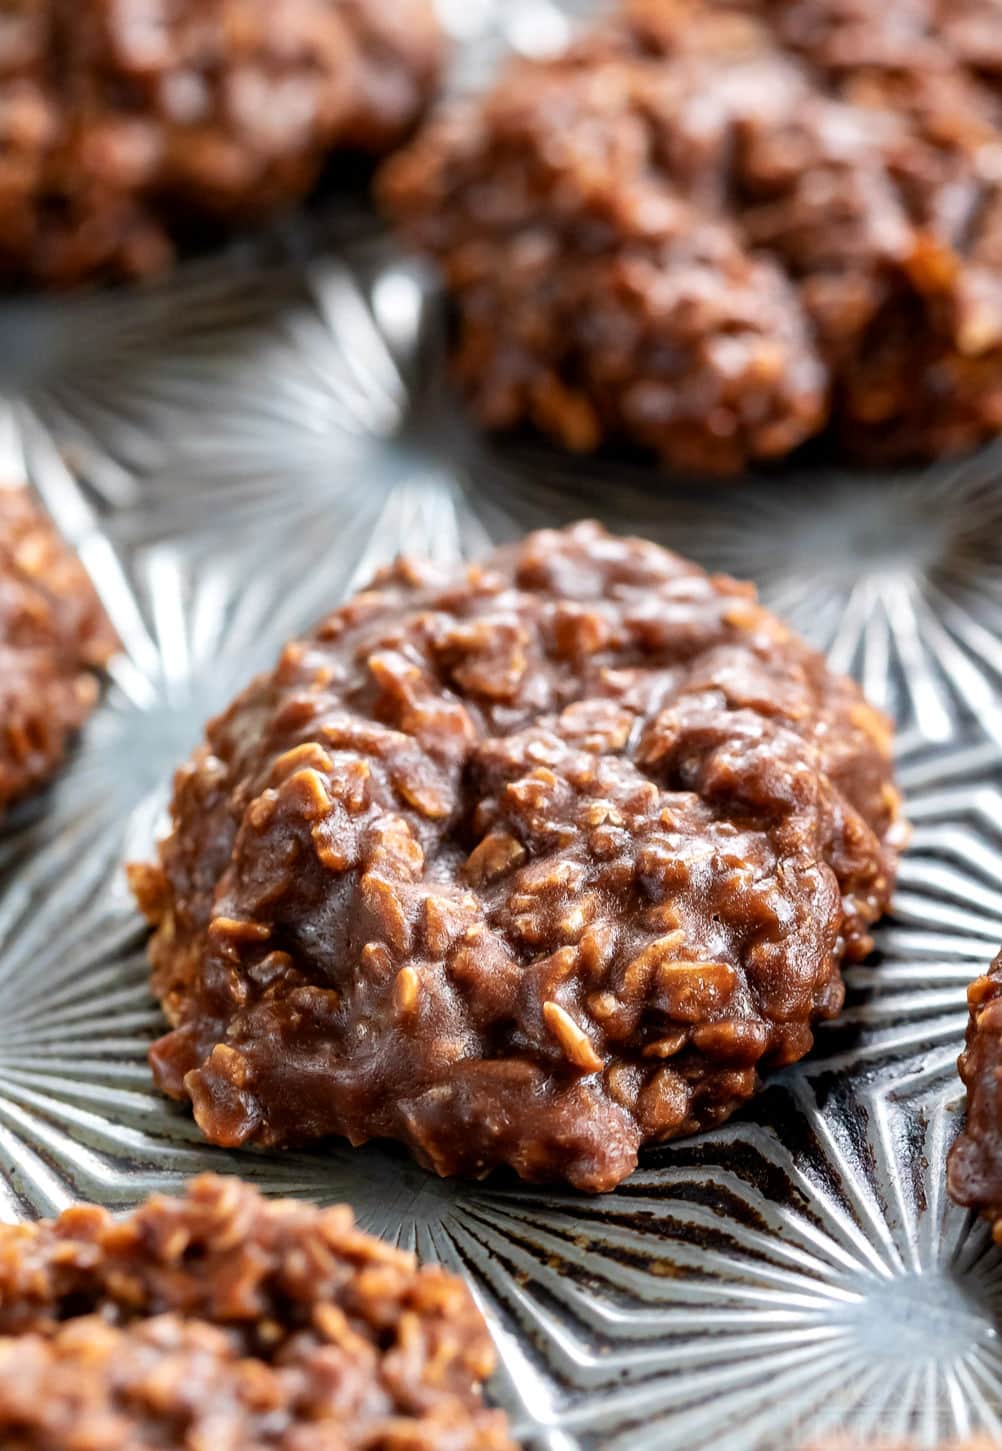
123	122
53	637
531	864
716	228
976	1157
225	1322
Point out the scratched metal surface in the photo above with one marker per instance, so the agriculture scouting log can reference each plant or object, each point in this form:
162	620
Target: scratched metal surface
231	452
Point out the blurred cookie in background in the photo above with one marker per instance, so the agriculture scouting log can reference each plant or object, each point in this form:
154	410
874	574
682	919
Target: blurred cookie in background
125	124
718	228
54	638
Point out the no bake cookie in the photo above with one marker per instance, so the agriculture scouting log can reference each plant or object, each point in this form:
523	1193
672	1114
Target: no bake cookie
976	1157
54	636
220	1320
530	864
126	122
717	228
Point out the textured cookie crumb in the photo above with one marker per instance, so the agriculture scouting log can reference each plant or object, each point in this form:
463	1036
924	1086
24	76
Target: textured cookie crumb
224	1322
54	636
530	863
716	228
125	124
976	1157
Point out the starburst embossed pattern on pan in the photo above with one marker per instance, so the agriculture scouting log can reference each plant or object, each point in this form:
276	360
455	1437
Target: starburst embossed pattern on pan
847	1443
529	864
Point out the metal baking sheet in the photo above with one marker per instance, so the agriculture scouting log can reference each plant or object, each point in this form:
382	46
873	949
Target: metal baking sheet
231	452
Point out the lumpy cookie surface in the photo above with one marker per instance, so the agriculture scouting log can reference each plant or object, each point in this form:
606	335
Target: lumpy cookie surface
54	636
124	123
223	1322
529	865
976	1157
717	228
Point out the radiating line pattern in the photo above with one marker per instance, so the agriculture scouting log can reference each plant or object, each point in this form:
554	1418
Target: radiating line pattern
231	452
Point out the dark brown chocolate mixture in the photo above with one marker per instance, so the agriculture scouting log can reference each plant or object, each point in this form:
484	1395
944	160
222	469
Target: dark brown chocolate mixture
222	1322
532	865
120	119
53	636
718	227
976	1157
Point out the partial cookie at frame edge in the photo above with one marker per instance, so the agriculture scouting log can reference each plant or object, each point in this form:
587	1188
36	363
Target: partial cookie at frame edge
131	130
54	638
975	1172
221	1318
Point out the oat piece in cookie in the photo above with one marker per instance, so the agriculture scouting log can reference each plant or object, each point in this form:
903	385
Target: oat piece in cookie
532	863
715	229
225	1321
124	124
976	1157
53	637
